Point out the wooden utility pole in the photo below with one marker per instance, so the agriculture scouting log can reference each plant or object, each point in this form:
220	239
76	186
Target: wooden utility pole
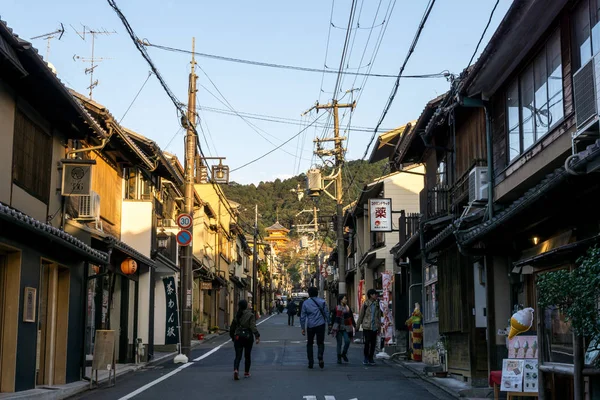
185	262
338	152
255	260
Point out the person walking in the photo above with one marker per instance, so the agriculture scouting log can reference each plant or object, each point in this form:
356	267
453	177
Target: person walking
242	332
291	312
343	327
370	320
314	320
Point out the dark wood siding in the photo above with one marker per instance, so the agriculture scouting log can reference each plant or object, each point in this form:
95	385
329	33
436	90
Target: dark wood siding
565	49
470	139
456	292
499	134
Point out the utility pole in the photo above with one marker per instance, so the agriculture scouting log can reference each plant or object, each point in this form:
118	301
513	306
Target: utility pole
187	252
338	152
255	259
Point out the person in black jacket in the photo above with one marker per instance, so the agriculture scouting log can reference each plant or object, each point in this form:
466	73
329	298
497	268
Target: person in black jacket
243	331
291	312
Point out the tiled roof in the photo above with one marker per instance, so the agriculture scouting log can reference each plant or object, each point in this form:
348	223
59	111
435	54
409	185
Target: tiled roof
16	217
127	249
277	227
439	238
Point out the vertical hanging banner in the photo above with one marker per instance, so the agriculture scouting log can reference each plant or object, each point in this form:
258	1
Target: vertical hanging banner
361	292
172	317
380	214
388	325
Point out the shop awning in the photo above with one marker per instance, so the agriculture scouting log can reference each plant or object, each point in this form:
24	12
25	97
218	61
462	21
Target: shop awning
164	264
130	251
557	255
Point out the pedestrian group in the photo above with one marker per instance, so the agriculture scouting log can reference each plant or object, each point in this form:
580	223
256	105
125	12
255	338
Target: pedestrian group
314	322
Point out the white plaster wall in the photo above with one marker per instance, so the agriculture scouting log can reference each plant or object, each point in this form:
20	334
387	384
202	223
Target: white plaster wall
160	309
55	202
7	127
136	225
26	203
144	306
480	297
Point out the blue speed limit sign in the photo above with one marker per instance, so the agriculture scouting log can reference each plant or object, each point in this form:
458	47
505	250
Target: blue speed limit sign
184	221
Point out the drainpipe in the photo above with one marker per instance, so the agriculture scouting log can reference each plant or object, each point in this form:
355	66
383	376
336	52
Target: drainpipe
471	102
99	147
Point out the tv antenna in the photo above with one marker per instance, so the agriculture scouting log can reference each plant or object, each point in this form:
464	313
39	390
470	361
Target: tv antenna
49	36
92	60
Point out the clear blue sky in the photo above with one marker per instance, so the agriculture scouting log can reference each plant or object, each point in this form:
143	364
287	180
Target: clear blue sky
283	32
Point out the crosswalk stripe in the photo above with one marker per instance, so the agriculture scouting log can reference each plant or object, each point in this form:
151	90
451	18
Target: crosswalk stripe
329	397
310	397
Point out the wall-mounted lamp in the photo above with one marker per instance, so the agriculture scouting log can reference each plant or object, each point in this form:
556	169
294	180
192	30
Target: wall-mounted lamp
536	240
162	241
220	173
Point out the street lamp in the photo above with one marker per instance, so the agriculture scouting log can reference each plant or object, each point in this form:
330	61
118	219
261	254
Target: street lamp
162	241
220	173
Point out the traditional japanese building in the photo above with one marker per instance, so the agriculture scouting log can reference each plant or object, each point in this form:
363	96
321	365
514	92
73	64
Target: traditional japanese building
277	234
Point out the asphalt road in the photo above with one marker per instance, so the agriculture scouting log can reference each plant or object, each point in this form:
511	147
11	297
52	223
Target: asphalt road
279	371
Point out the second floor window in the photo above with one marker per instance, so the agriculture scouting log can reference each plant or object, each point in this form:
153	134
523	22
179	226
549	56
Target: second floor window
32	157
586	32
136	186
535	99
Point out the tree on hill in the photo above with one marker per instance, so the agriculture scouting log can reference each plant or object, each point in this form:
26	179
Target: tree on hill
279	200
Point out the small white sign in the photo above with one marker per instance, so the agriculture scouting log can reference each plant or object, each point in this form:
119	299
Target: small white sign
530	381
380	213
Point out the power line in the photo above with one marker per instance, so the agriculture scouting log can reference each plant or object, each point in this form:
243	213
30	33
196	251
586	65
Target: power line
345	48
136	96
397	83
228	104
171	95
275	119
276	148
146	43
483	34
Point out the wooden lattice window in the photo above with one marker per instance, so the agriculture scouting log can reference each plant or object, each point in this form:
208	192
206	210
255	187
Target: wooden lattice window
32	157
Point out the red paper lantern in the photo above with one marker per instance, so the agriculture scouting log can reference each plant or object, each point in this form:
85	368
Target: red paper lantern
129	266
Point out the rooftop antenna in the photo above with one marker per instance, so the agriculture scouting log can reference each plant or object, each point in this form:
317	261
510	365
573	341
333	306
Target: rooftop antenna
49	36
92	60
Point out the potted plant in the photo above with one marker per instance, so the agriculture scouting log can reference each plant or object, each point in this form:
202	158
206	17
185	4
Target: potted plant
197	322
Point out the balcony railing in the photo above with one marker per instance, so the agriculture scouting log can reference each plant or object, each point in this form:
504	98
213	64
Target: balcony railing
438	201
408	225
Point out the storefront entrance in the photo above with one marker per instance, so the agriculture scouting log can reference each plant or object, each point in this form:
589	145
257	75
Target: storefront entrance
53	314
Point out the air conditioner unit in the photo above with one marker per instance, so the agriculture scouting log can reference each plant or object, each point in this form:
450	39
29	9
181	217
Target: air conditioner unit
89	209
478	184
166	223
586	91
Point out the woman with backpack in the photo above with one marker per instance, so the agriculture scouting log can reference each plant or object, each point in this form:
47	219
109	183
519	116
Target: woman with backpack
242	332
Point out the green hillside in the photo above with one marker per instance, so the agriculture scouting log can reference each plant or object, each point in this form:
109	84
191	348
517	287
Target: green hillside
279	196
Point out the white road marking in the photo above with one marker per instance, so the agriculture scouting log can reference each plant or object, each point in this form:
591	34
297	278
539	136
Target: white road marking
329	397
310	397
175	371
269	341
149	385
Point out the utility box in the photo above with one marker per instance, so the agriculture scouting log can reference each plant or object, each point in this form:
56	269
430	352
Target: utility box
314	182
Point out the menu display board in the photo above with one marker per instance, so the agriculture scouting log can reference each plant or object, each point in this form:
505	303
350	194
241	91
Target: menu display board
530	383
512	375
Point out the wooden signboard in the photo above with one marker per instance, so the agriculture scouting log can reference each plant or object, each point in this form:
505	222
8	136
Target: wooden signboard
104	355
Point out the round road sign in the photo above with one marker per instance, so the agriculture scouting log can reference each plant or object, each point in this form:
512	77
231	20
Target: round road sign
185	221
184	238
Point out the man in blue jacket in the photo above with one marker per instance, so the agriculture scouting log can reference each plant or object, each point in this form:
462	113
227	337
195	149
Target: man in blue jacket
314	319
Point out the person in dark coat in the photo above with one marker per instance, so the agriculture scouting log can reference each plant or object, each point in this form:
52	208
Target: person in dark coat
243	333
291	312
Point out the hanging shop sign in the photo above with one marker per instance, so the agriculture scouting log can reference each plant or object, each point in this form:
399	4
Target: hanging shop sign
76	177
205	285
388	318
380	214
172	319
